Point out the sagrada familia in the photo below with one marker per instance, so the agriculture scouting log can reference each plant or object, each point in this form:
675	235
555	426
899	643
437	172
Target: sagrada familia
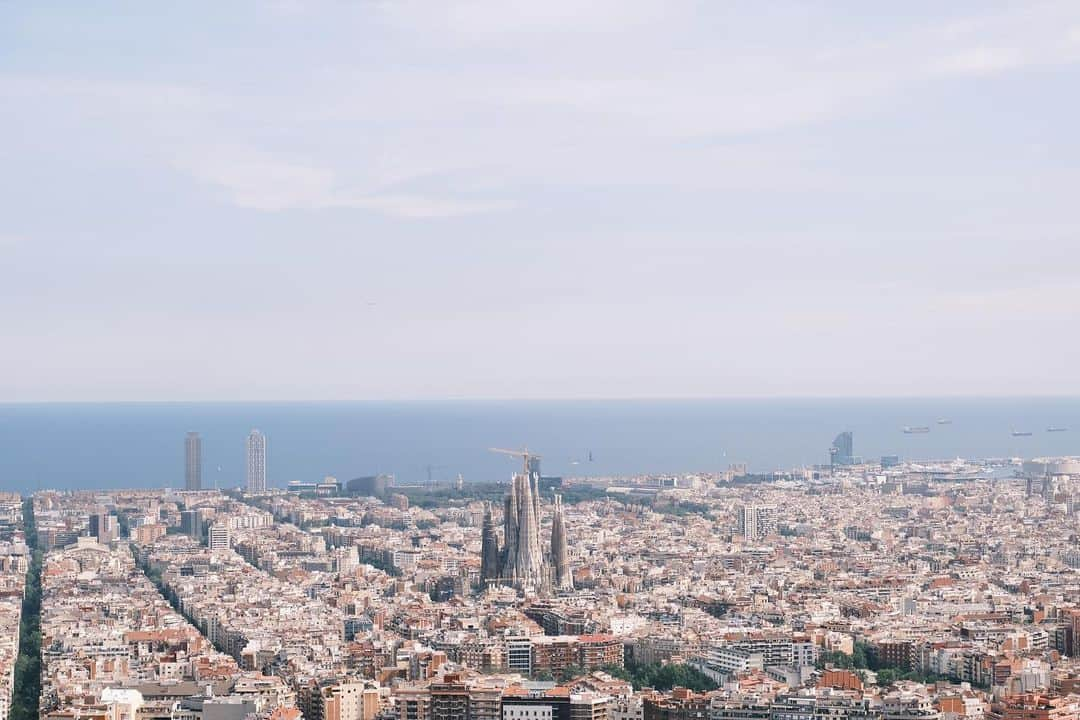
521	561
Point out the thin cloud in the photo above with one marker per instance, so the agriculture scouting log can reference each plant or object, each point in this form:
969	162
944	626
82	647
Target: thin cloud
980	61
258	181
421	206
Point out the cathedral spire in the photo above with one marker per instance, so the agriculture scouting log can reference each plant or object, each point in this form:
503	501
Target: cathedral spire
560	552
522	562
489	552
510	532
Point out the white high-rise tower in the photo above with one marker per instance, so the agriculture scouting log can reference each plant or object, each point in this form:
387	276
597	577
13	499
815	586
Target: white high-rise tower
256	462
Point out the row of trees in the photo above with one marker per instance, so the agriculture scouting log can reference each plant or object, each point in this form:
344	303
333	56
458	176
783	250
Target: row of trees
652	675
662	677
27	690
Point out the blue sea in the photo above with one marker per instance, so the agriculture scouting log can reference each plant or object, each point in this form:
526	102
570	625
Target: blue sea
68	446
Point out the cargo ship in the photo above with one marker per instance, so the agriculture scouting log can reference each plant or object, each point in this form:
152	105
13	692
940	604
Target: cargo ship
916	430
1021	433
1054	428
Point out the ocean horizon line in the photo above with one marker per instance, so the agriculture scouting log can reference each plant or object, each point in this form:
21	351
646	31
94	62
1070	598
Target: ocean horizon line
560	400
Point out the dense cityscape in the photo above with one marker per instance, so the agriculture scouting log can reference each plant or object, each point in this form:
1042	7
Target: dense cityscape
885	590
539	360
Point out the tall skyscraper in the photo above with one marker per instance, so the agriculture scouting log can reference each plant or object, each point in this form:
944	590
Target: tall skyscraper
256	462
842	451
193	461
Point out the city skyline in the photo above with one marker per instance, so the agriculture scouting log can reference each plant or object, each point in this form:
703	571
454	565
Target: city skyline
137	445
857	591
624	360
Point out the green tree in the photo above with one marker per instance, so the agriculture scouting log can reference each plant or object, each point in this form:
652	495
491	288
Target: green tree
858	657
837	659
27	686
673	675
617	671
887	676
572	671
665	677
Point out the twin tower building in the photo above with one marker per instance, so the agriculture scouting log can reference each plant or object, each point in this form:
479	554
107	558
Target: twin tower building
521	562
256	462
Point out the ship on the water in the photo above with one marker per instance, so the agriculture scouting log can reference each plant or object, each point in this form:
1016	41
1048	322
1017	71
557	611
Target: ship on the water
916	430
1021	433
944	421
1054	428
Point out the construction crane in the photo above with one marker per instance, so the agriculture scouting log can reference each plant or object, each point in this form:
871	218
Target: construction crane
525	456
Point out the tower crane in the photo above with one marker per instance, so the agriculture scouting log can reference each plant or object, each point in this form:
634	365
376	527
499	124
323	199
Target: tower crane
525	456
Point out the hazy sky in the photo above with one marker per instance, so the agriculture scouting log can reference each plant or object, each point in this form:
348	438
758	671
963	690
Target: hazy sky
525	198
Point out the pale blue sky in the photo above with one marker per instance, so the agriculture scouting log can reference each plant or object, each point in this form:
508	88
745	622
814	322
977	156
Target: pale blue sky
613	198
